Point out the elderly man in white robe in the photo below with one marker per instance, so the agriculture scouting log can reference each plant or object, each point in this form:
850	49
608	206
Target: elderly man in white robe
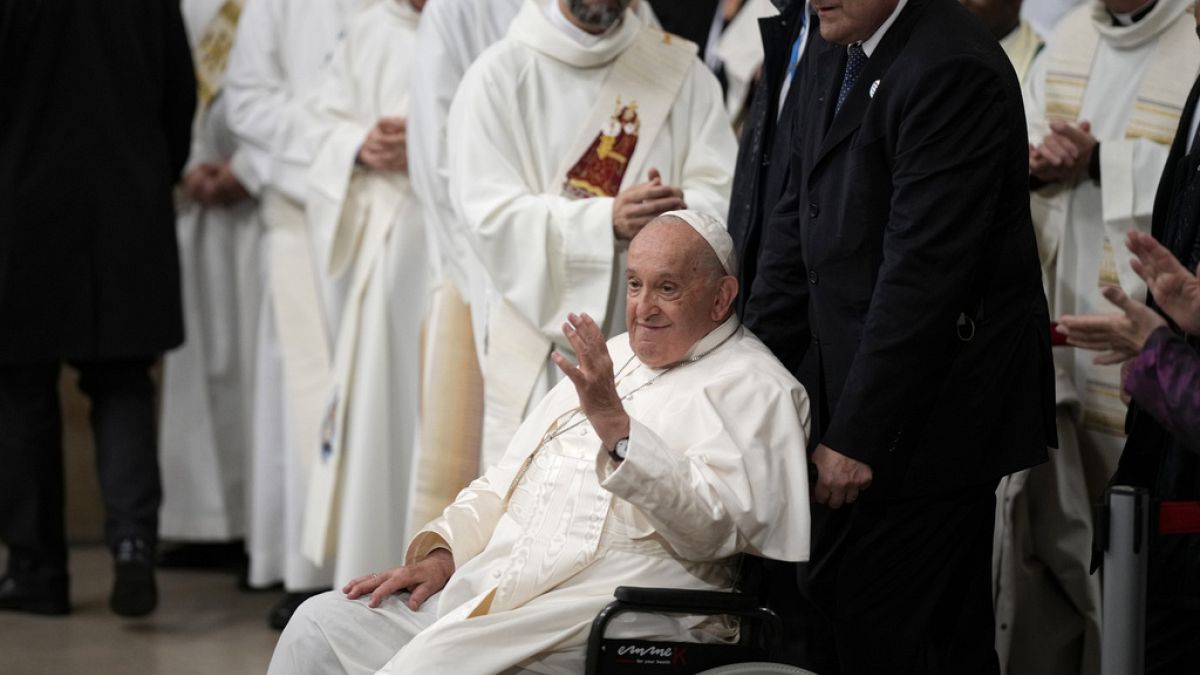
663	455
282	51
565	138
359	198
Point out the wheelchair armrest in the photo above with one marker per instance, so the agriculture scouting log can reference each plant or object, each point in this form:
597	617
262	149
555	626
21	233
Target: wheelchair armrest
675	599
637	599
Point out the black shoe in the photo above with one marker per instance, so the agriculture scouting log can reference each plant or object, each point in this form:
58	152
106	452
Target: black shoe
282	612
39	593
134	592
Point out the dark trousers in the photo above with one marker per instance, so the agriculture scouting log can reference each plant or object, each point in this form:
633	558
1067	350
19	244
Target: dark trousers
1172	644
1173	605
31	457
900	587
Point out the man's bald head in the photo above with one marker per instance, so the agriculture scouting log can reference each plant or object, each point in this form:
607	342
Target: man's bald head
677	290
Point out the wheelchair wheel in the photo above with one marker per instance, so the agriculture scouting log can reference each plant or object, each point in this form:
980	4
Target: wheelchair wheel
757	669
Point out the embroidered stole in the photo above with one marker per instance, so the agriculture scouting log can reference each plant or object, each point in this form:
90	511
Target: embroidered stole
211	54
642	85
1160	98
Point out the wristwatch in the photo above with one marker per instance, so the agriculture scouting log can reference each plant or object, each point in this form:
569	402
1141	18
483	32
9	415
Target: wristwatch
619	450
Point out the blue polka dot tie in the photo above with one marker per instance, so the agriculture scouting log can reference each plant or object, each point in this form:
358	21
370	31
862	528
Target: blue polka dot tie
856	58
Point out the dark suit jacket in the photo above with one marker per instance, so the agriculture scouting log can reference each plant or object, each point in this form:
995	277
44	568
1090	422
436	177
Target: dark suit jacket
689	19
760	177
924	338
95	125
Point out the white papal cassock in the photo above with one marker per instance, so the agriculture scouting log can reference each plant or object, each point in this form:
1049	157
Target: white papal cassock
526	111
716	466
281	52
356	512
204	430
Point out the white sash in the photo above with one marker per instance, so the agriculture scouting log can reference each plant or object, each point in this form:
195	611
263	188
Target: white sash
365	238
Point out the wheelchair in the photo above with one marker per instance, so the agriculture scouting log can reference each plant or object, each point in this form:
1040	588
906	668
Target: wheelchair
759	635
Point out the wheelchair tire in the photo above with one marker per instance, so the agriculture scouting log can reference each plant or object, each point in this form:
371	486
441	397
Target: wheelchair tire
757	668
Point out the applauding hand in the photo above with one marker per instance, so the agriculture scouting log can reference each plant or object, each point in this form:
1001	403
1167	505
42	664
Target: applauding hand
1118	336
1175	289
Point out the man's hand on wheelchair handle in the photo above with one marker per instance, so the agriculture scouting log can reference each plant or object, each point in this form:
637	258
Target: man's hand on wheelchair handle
422	579
840	479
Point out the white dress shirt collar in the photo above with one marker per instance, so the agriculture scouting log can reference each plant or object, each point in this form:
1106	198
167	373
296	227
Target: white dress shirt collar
869	45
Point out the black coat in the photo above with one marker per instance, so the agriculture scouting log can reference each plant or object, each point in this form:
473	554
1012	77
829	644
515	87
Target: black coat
96	105
761	174
899	276
1152	458
689	19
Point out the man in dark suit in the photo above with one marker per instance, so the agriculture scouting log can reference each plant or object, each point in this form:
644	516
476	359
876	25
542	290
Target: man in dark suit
689	19
761	175
899	278
95	126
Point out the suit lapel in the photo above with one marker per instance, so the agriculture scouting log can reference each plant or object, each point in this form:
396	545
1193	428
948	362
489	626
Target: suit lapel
859	99
1175	178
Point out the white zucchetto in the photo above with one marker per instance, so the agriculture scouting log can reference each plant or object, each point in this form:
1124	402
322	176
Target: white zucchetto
714	232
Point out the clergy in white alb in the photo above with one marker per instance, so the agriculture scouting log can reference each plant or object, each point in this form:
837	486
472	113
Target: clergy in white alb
565	138
204	428
358	192
451	35
1102	101
662	456
282	50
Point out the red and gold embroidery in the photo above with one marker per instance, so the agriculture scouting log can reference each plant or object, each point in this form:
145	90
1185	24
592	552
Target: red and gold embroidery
599	172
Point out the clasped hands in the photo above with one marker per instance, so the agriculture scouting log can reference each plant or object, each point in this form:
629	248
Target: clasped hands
637	205
386	147
1064	154
1119	337
594	380
213	184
